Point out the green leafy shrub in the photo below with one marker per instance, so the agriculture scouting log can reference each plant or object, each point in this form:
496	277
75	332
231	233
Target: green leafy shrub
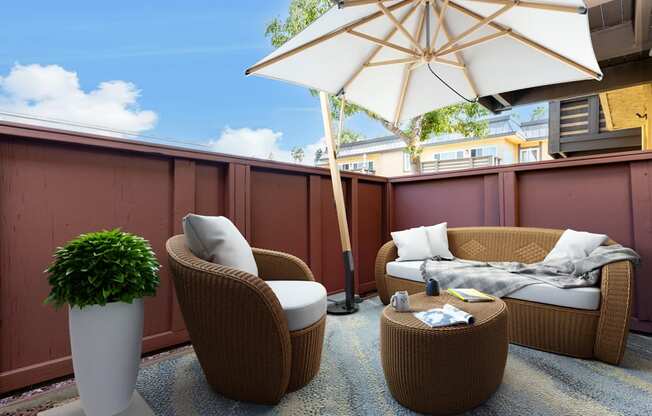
102	267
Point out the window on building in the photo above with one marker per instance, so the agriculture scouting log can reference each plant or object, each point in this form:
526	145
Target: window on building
531	154
407	162
484	151
452	155
370	166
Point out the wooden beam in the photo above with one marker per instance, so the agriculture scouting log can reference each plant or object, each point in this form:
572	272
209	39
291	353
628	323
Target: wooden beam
324	37
482	22
642	16
606	110
529	42
623	75
375	52
472	43
540	6
381	42
399	26
458	55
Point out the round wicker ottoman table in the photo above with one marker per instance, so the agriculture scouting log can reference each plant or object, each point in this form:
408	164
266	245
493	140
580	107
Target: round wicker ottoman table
445	370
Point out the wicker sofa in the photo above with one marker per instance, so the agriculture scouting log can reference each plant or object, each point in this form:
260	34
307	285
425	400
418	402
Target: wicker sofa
599	334
238	328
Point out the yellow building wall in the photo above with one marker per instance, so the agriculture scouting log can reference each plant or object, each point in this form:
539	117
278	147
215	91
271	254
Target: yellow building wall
391	163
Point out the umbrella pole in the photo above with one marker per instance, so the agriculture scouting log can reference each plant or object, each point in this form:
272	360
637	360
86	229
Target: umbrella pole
347	306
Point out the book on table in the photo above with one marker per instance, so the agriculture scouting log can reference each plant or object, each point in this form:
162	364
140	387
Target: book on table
470	295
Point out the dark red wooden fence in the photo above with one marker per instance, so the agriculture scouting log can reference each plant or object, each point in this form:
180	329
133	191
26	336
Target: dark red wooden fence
55	185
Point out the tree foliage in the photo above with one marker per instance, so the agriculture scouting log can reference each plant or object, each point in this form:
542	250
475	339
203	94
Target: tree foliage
102	267
468	119
298	154
538	113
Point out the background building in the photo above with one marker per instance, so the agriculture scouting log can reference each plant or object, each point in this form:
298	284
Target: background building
508	141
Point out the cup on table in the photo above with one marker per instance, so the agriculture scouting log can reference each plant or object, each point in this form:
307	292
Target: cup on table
400	301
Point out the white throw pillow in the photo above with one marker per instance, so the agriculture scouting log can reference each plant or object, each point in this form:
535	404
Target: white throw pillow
575	245
438	240
412	244
217	240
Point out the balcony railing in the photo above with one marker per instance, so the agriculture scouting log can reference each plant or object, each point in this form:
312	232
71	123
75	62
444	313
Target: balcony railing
435	166
362	169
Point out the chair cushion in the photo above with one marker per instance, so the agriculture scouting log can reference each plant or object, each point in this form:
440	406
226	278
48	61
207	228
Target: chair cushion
587	298
575	245
303	302
438	240
217	240
412	244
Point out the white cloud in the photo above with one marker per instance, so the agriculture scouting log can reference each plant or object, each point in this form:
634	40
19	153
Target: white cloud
260	143
54	93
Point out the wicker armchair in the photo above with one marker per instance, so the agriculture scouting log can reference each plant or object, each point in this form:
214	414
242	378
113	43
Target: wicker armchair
600	334
238	328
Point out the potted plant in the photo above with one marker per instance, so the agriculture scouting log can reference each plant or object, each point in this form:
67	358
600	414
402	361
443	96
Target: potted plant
103	277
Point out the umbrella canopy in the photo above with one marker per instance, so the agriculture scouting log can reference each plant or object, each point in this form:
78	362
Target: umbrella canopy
382	54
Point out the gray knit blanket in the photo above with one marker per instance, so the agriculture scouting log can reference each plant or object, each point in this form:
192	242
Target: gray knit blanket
503	278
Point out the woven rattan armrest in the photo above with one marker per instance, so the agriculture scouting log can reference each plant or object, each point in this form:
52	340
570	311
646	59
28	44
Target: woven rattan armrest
275	265
615	310
386	254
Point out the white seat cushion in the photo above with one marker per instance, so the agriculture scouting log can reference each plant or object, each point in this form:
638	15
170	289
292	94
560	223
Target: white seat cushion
587	298
304	303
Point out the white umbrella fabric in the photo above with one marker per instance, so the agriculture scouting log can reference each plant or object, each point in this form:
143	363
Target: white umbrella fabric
403	58
375	52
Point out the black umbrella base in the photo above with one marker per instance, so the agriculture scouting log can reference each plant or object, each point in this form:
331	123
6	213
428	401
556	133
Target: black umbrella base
340	308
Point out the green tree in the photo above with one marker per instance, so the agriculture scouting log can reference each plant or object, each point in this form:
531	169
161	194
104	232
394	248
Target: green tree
297	154
468	119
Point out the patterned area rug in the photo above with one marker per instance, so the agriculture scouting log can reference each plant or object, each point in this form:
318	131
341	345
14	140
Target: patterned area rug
351	381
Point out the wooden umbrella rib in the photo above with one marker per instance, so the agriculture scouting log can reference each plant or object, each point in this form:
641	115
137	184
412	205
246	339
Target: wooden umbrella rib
324	37
401	99
481	23
448	62
458	55
472	43
351	3
387	12
377	50
407	72
540	6
440	23
381	42
529	42
392	62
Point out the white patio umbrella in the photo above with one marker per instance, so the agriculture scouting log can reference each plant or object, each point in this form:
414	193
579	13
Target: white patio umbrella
403	58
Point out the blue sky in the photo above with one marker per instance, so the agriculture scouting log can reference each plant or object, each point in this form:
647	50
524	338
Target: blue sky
187	59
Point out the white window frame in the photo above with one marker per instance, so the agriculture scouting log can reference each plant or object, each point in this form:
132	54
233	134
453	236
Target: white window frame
407	162
530	150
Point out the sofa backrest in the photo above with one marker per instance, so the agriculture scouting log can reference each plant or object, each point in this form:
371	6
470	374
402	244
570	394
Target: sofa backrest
526	245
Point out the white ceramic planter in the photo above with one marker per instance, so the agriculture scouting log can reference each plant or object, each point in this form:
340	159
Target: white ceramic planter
106	345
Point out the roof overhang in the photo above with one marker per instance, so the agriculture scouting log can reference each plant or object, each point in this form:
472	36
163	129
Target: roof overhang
622	38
